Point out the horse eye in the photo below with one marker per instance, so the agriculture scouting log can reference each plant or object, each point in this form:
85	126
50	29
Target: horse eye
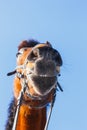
18	54
21	51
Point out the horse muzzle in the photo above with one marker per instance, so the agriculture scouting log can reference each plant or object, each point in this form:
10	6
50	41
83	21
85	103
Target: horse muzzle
42	70
43	77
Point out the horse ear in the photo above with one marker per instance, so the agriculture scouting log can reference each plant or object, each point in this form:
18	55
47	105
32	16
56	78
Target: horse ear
48	43
22	44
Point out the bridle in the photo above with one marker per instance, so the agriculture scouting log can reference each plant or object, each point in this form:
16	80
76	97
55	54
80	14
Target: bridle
25	89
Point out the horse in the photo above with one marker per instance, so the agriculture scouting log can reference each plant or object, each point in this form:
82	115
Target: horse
35	86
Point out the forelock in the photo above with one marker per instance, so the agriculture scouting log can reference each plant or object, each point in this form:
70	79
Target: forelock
30	43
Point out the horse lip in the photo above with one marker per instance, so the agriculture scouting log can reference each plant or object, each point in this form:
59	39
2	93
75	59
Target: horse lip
46	75
44	94
43	76
42	84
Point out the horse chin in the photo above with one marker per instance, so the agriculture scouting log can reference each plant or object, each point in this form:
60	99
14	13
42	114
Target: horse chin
42	85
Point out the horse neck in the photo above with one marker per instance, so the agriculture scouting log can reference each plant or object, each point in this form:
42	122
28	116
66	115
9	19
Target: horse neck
31	119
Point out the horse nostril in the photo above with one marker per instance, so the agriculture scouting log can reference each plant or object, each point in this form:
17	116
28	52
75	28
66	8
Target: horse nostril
33	55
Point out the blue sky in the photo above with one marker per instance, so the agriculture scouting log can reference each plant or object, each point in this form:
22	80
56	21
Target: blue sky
64	24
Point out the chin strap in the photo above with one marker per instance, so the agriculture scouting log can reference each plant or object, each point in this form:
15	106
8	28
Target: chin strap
11	73
58	85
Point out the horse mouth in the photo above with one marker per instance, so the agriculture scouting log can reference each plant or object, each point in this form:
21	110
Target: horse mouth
42	84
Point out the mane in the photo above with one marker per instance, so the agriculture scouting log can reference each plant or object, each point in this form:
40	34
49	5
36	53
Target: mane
30	43
11	115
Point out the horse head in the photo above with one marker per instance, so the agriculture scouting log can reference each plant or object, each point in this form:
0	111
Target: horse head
35	85
38	64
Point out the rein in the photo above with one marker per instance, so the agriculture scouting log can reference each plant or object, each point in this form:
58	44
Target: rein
19	100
